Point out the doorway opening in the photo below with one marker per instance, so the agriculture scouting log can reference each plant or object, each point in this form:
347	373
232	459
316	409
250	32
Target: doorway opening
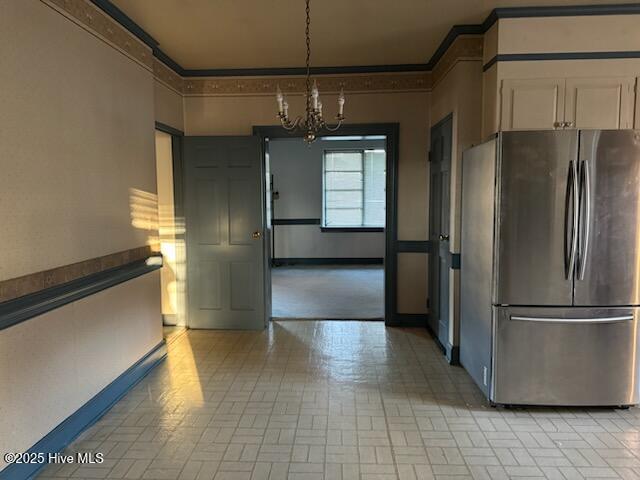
229	213
328	205
331	255
170	241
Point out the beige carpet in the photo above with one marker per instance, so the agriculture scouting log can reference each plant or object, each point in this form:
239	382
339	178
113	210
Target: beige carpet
328	292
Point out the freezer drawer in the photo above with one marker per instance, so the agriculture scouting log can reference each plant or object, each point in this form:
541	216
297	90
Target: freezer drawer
565	356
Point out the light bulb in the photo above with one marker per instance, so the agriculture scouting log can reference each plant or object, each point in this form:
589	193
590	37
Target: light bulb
280	99
315	95
341	102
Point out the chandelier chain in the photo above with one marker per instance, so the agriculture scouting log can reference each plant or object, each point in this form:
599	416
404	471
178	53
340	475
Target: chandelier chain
313	122
308	38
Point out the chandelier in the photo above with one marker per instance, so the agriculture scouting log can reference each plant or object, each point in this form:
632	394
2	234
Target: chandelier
312	122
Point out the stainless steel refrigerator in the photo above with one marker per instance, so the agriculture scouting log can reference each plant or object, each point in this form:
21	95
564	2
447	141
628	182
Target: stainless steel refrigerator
550	267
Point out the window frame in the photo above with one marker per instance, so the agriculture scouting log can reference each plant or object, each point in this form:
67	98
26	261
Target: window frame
347	228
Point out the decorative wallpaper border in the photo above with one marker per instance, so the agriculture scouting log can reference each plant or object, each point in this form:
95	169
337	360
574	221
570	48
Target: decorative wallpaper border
35	282
327	83
98	22
468	47
167	76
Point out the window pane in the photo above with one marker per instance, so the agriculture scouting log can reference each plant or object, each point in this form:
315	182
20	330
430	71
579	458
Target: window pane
374	214
343	199
354	188
343	218
343	181
374	188
343	161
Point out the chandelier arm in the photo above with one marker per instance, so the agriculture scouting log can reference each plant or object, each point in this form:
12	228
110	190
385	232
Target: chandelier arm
335	127
289	125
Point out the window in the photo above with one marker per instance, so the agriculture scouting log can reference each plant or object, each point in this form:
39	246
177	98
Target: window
354	188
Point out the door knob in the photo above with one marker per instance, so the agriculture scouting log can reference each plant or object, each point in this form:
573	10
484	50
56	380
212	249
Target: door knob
444	238
256	235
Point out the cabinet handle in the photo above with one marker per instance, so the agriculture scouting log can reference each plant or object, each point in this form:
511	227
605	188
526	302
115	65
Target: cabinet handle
557	124
568	124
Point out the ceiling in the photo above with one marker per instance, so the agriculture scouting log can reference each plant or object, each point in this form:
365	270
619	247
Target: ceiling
221	34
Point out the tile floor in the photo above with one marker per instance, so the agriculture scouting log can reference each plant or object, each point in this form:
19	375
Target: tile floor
172	332
339	400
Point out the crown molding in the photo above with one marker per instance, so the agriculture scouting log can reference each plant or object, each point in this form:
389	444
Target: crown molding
456	31
560	11
294	71
462	42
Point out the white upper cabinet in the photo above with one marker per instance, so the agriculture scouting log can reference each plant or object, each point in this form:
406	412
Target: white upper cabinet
532	104
551	103
637	124
600	103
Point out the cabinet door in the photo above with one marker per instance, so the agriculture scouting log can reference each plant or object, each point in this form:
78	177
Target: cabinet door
600	103
637	101
532	104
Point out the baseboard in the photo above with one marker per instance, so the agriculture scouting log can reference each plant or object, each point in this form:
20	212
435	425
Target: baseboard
452	353
61	436
413	320
169	319
278	262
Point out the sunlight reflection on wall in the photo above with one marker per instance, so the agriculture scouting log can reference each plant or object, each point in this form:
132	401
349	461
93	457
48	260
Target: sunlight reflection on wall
166	235
144	214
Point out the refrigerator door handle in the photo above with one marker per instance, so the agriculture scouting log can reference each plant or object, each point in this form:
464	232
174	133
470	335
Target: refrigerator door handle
572	197
585	194
621	318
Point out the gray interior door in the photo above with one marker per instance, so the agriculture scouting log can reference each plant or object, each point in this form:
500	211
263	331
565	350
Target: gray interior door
225	242
538	188
439	208
607	265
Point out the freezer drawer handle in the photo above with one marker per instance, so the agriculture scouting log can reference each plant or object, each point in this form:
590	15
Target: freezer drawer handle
623	318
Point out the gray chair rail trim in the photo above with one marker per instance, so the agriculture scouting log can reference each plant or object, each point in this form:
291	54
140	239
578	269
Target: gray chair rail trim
18	310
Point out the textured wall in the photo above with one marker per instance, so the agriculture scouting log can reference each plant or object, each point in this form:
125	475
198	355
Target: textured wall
460	93
78	181
76	139
52	364
589	33
168	106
